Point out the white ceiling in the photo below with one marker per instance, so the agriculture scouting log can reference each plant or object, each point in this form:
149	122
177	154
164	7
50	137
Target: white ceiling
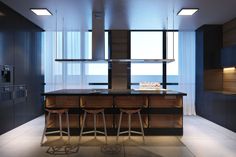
126	14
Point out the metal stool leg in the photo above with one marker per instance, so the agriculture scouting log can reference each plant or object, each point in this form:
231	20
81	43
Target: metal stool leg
82	127
60	124
95	124
104	124
129	124
141	124
68	126
118	132
45	128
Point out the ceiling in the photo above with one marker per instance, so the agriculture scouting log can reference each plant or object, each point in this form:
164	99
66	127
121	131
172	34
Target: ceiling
126	14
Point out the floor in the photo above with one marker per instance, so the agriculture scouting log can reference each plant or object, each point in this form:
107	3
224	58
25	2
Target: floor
201	138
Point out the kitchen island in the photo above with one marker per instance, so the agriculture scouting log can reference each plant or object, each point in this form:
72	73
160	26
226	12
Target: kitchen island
162	111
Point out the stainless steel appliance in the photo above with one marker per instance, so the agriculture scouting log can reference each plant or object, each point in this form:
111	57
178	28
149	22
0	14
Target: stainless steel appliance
6	75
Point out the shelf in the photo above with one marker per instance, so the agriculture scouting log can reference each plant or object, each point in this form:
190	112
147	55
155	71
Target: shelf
117	60
223	92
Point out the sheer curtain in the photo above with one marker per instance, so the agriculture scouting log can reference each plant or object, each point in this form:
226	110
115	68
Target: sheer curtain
72	75
61	75
187	70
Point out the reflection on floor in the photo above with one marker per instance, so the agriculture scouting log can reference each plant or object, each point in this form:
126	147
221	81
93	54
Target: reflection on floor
201	138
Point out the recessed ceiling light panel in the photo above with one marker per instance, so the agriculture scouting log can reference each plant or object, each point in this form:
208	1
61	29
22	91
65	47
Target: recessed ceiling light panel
41	11
187	11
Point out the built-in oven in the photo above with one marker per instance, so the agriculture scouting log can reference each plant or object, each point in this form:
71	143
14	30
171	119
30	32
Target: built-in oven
6	93
6	75
20	104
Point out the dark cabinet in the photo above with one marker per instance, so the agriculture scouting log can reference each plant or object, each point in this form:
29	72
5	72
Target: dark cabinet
12	107
22	51
209	43
230	115
20	47
35	86
6	49
228	56
6	109
20	104
210	102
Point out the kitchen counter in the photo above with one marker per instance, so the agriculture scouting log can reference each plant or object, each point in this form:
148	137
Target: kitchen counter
162	111
113	92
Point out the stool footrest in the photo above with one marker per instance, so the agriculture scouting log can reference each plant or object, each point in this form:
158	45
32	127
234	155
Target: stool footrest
58	131
131	131
89	132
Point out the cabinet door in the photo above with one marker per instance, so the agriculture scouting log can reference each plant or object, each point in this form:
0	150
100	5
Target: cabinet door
212	47
6	116
20	104
35	77
20	111
6	48
22	44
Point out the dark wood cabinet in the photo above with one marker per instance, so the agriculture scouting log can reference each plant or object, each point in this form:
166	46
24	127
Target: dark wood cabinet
209	42
161	112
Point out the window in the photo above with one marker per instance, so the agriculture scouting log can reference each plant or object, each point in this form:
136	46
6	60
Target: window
96	68
172	68
146	45
57	49
72	50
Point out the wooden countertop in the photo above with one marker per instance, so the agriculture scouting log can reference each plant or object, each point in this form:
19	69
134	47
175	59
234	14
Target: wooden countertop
112	92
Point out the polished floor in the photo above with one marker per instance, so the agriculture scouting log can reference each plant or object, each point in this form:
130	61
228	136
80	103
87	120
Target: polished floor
201	138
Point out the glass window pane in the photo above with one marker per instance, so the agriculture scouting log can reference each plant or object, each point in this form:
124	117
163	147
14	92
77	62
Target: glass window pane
72	50
58	52
146	45
172	52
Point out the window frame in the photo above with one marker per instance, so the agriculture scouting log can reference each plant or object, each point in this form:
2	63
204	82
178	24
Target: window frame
164	56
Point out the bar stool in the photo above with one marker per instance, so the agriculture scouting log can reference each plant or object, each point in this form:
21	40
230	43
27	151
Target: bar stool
130	105
94	105
59	112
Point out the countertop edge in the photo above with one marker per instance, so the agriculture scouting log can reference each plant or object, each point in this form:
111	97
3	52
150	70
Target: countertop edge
105	92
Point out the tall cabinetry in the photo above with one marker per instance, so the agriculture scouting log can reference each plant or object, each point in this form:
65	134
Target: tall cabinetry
212	102
208	58
20	49
208	71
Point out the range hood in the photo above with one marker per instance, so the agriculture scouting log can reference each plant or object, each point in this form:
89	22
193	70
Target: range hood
98	46
98	37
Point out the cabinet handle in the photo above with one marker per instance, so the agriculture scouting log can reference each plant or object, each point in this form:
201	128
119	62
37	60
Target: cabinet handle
7	89
13	95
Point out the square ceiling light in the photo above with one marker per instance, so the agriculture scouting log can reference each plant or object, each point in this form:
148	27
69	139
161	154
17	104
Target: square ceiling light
41	11
187	11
